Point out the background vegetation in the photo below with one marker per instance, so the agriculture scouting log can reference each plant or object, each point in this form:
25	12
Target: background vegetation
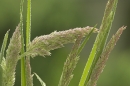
51	15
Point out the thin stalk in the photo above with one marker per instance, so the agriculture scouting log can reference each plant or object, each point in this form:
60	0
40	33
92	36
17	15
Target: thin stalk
85	40
28	23
28	35
23	73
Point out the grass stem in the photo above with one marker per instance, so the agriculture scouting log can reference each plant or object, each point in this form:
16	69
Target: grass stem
23	72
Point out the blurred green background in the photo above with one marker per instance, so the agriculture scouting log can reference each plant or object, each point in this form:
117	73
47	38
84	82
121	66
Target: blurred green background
51	15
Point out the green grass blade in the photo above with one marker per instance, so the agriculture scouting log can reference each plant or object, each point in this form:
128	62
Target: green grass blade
85	40
104	56
40	80
100	41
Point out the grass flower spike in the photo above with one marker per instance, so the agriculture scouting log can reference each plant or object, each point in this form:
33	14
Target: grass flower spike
12	54
43	44
70	64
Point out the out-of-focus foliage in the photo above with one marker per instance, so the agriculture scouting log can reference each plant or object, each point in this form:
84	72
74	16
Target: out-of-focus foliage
51	15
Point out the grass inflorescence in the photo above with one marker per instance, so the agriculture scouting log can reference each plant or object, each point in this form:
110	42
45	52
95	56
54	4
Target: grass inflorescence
42	45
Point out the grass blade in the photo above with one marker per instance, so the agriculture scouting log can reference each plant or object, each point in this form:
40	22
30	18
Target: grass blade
103	58
100	41
85	40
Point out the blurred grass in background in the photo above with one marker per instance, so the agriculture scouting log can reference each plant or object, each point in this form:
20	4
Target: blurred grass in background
51	15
